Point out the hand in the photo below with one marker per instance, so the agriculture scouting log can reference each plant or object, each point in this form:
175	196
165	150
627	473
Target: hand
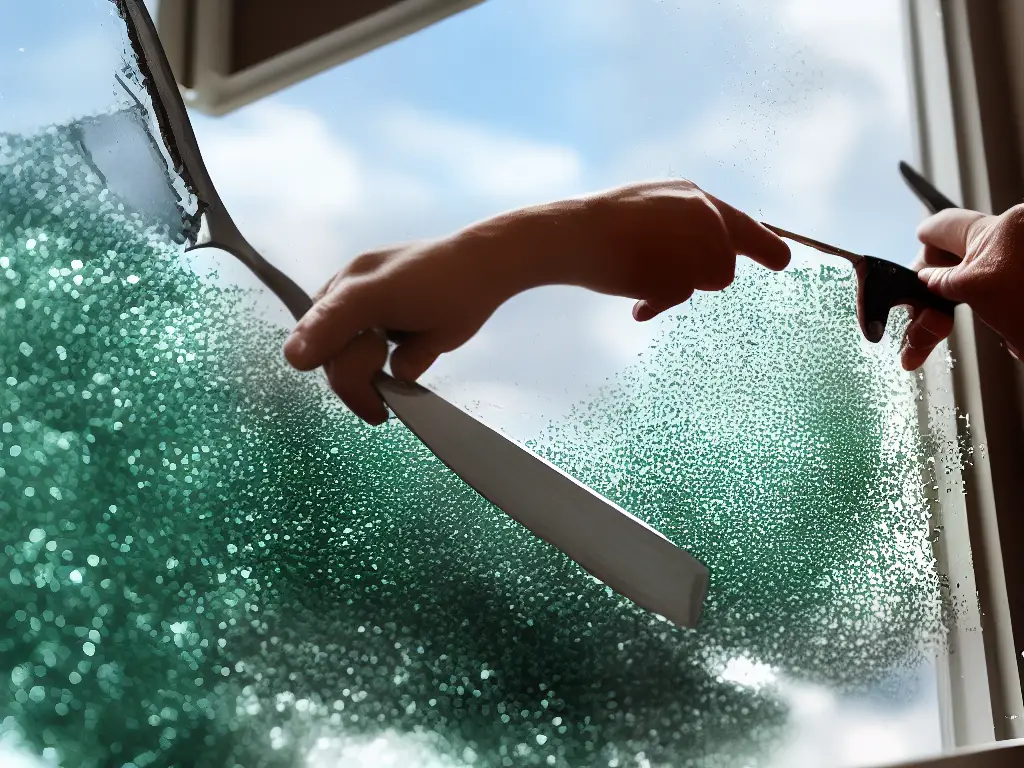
655	242
973	258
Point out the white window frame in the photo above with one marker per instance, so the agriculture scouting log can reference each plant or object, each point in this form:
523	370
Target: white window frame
967	71
197	37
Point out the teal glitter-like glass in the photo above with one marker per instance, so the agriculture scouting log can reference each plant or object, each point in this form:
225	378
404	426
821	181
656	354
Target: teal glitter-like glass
207	561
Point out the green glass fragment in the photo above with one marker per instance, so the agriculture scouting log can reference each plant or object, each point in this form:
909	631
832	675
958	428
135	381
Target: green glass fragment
207	561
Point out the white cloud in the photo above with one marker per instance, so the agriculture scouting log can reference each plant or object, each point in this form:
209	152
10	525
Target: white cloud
309	201
865	36
283	157
288	182
800	156
480	160
294	186
747	673
612	328
801	84
390	749
830	732
827	729
13	757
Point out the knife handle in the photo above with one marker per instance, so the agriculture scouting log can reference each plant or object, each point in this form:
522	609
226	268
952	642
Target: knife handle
883	285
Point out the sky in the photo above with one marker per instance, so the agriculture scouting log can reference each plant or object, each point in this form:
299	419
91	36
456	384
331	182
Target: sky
795	110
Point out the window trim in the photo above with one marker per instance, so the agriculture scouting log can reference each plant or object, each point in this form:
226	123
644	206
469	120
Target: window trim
967	143
1004	755
197	38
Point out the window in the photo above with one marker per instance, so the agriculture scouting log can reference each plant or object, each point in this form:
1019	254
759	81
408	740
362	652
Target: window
207	561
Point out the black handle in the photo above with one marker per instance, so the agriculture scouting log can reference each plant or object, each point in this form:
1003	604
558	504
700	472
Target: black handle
883	285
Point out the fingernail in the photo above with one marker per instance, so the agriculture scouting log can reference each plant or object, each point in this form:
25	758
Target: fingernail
642	311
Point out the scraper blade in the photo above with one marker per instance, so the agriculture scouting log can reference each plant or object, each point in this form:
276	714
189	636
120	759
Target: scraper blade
608	542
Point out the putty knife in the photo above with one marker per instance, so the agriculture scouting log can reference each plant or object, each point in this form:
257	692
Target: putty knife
608	542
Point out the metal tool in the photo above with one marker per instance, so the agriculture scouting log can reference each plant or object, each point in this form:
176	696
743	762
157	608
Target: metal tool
881	284
933	200
608	542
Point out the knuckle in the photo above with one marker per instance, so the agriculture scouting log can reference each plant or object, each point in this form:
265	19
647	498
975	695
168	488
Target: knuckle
365	262
704	211
1013	219
711	228
1010	231
326	288
347	296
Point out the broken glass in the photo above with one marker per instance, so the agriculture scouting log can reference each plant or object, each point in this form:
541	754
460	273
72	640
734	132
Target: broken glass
207	561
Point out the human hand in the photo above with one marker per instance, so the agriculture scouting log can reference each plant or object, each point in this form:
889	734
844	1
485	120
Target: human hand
976	259
655	242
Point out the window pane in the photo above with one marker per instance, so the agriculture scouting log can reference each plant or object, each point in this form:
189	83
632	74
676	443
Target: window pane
208	561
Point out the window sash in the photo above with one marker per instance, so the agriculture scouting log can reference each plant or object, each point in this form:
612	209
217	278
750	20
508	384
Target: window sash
198	38
960	94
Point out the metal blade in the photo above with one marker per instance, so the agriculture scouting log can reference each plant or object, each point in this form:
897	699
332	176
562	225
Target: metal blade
122	153
611	544
608	542
933	200
168	104
815	244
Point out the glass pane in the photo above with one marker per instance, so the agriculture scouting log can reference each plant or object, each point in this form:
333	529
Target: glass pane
208	561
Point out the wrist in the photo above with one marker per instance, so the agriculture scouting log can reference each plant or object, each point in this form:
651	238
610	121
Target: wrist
549	244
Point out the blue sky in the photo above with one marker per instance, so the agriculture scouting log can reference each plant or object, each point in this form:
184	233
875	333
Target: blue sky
797	110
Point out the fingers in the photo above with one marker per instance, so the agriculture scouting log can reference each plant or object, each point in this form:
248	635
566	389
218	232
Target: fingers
351	376
643	311
947	237
947	282
328	327
752	239
648	309
931	256
952	229
926	330
327	287
411	359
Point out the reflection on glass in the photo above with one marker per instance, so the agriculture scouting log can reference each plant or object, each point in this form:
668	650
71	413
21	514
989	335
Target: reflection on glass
207	561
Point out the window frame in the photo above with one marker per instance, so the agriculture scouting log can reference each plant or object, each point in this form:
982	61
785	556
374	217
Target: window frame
197	38
963	77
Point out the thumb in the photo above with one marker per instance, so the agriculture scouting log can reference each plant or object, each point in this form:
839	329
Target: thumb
947	282
644	310
952	230
413	357
648	309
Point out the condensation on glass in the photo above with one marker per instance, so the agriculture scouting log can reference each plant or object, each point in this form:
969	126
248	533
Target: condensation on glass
207	561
